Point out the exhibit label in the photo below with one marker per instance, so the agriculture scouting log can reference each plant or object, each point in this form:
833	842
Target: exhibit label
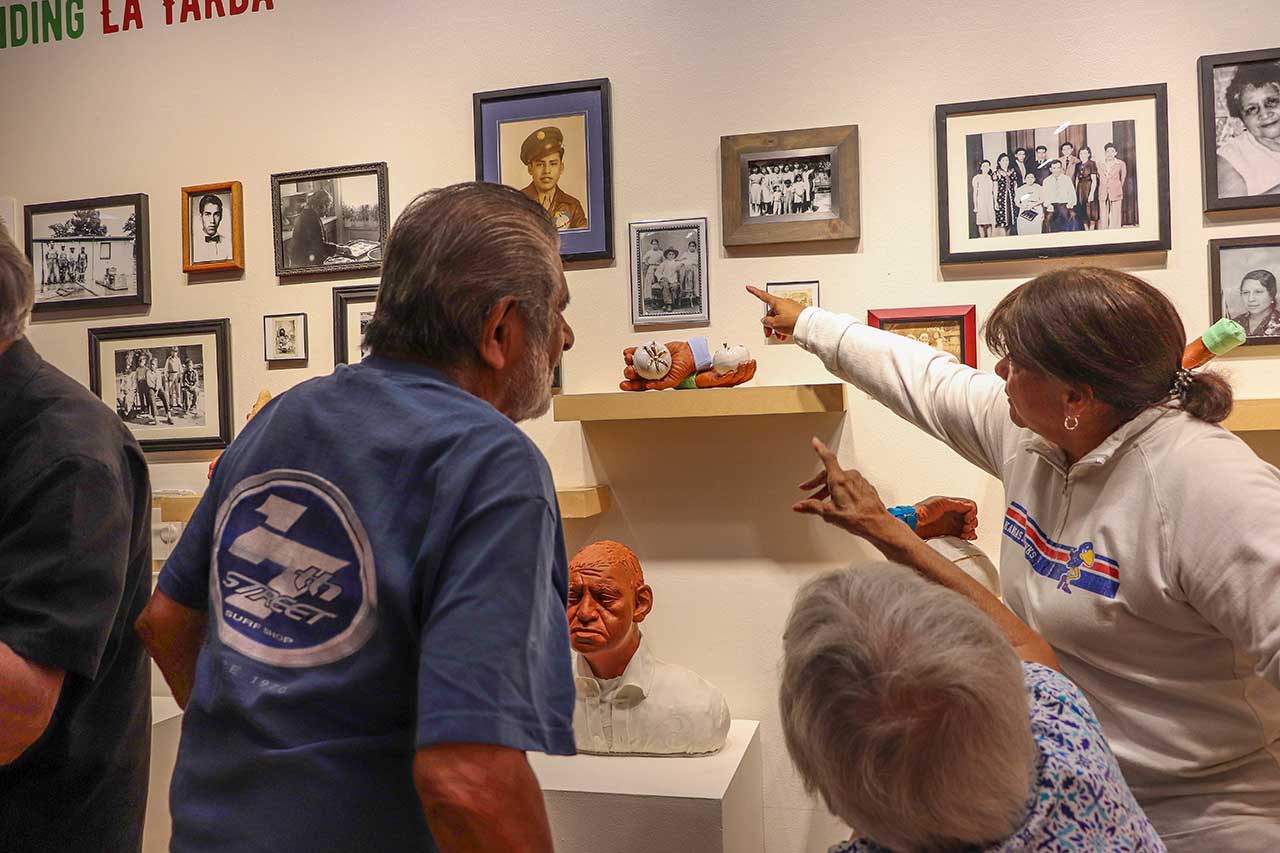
49	21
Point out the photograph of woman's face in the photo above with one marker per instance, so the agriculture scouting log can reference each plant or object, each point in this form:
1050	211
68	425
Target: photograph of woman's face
1257	299
1260	111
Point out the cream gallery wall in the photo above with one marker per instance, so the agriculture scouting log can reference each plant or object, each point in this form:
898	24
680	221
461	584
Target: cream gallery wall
373	102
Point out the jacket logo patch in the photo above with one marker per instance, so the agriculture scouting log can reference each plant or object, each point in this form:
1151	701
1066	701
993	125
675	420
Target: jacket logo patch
1080	567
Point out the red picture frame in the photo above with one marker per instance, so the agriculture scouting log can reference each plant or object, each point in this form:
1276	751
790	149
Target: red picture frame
940	315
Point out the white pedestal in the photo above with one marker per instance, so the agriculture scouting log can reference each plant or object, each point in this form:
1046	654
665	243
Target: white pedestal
634	804
166	729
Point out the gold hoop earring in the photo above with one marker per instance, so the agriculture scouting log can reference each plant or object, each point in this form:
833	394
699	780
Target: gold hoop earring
1070	422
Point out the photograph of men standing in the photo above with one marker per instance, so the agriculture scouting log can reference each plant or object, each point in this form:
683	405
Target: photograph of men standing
543	154
210	242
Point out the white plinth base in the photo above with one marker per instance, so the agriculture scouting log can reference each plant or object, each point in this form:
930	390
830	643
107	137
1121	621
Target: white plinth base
634	804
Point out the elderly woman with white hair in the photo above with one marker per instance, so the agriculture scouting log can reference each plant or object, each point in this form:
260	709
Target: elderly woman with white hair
928	716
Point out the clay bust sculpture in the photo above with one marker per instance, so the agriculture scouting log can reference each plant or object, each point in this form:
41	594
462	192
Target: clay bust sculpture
628	701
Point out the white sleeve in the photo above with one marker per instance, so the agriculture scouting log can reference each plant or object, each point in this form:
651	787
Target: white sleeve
963	407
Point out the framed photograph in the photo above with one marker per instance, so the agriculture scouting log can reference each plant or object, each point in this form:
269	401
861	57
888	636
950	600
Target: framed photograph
790	186
213	227
89	253
169	382
669	272
1076	173
553	143
1240	129
9	217
1243	272
330	220
557	378
284	337
949	328
352	310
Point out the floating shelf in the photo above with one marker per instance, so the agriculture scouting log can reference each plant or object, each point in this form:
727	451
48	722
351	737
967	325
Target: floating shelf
702	403
1254	416
583	501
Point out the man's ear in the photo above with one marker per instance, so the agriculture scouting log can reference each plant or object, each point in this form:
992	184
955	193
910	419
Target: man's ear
644	603
496	339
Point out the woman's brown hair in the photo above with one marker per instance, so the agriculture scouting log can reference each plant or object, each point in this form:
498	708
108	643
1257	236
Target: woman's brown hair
1109	330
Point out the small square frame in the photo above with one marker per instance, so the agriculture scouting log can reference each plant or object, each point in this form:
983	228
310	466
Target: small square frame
268	350
237	227
639	317
1216	308
966	314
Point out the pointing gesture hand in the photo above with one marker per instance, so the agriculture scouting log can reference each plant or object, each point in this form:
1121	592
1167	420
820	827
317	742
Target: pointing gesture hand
782	315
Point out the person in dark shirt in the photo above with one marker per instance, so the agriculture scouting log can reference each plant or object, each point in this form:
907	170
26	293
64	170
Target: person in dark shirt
308	246
75	572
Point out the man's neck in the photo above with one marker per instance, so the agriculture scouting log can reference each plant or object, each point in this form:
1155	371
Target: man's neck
475	380
6	345
614	662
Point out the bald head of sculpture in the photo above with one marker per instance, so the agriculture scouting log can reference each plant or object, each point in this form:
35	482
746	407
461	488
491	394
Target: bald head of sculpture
607	599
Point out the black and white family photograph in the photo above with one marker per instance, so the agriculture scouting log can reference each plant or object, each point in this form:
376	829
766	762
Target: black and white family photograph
160	386
781	184
285	337
669	271
1246	128
1047	180
84	251
330	220
1244	273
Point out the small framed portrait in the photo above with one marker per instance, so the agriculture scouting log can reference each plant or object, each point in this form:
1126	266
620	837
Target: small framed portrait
330	220
89	253
213	227
950	328
669	272
1243	272
1076	173
790	186
169	382
1240	129
553	144
284	337
9	217
352	310
804	292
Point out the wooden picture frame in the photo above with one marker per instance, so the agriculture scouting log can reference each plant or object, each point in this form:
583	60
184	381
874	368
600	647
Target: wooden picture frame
203	402
811	153
1128	206
345	299
299	342
923	320
580	112
226	243
359	228
121	279
1237	261
1224	135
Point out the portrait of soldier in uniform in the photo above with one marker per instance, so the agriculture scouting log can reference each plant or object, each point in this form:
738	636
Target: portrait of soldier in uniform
551	168
543	154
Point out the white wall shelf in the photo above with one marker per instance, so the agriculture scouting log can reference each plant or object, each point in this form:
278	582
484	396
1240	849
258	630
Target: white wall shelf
819	398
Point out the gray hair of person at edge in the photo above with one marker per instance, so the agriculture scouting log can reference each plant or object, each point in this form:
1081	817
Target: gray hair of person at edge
17	290
452	255
905	708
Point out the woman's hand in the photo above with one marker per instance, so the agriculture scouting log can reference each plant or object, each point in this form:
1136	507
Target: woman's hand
844	498
782	315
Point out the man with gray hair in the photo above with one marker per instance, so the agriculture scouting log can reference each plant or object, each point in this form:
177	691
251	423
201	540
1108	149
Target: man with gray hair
365	617
75	572
928	716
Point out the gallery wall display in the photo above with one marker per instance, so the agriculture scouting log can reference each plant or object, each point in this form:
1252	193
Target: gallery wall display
284	337
1243	272
1240	129
553	143
213	227
669	272
89	253
950	328
790	186
330	220
169	382
1075	173
352	310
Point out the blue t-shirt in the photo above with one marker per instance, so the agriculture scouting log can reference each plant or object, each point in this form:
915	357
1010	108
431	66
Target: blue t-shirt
1081	803
383	564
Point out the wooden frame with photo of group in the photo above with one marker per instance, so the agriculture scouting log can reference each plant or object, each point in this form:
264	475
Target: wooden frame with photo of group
949	328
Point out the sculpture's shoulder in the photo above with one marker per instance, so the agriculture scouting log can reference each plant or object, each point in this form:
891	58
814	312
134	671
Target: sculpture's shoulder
695	705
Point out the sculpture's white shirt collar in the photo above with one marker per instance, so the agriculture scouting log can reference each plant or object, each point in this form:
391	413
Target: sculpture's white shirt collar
626	690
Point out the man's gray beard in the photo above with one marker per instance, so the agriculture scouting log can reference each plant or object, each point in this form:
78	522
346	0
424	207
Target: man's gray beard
531	387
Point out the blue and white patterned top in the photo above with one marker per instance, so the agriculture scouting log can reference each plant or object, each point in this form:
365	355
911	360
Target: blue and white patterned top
1082	803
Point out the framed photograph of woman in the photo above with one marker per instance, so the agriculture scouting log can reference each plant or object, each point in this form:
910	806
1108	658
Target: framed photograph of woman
330	220
1240	129
790	186
1074	173
352	310
1243	272
553	143
169	382
669	272
89	253
284	337
949	328
213	227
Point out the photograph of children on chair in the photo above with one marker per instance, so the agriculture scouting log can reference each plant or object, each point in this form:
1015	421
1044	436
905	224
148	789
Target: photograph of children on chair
85	254
671	277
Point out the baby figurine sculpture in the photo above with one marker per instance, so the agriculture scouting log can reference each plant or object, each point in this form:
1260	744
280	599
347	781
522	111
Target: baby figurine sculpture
685	364
628	701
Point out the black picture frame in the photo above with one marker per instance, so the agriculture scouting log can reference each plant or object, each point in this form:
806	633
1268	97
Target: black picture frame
1205	66
141	253
266	341
343	299
596	242
1216	301
220	329
1157	92
372	262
